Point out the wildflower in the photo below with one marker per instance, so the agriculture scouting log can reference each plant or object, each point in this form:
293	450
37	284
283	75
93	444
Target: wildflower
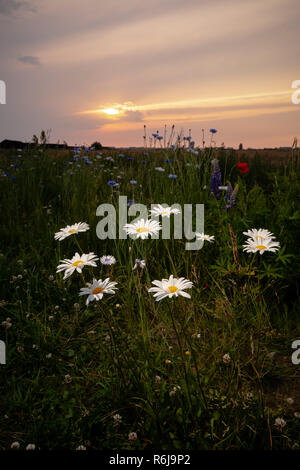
171	287
297	414
216	179
81	447
167	361
243	167
132	436
107	259
68	379
263	245
117	419
51	277
289	401
157	379
142	228
226	358
164	211
259	234
213	131
15	445
48	356
231	196
76	263
133	182
172	176
6	324
159	168
71	230
280	423
96	289
141	263
76	306
202	236
130	202
112	183
30	447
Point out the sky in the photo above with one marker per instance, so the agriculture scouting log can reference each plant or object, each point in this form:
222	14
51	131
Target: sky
98	70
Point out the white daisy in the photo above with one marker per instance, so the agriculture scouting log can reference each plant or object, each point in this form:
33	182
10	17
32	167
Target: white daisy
141	263
259	234
76	263
164	211
142	228
170	287
107	259
70	230
261	245
159	168
202	236
96	289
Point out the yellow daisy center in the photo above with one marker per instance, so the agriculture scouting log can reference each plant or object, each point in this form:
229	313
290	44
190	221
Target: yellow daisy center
172	289
261	247
165	212
76	263
142	229
97	290
72	230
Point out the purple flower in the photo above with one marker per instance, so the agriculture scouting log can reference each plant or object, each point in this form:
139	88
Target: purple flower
213	131
216	179
112	183
172	176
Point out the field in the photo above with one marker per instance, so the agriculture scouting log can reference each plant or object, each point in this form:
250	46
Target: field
213	371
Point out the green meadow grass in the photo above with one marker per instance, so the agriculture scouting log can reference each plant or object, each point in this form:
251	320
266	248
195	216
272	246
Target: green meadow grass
124	354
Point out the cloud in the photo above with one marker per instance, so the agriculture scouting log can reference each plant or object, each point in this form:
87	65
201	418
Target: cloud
30	60
8	7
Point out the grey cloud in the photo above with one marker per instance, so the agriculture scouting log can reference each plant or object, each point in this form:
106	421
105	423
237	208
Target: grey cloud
30	60
8	7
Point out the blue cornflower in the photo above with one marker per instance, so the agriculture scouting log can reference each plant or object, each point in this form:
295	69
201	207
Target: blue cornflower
172	176
130	202
130	159
213	131
112	183
144	161
133	182
168	160
121	155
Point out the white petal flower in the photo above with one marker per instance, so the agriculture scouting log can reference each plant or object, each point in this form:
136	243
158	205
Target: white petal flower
159	168
202	236
171	287
76	263
164	211
71	230
259	234
107	259
142	228
141	263
261	245
96	289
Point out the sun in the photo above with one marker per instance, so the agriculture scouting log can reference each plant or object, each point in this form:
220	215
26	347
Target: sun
111	111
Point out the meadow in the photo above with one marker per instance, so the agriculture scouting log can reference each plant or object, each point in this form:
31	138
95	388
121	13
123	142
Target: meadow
213	371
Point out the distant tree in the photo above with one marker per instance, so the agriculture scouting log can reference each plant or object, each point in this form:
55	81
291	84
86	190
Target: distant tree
97	145
241	147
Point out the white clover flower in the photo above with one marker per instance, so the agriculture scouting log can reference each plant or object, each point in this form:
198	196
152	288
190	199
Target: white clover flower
171	287
30	447
71	230
226	358
96	289
76	263
107	259
280	423
141	263
261	245
142	228
164	211
202	236
132	436
15	445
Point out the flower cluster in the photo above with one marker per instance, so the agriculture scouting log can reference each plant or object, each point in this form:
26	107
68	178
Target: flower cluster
260	240
243	167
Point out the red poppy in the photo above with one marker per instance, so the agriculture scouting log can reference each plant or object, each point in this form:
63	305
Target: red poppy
243	167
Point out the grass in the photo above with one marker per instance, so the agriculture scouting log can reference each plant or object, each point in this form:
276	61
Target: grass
70	368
